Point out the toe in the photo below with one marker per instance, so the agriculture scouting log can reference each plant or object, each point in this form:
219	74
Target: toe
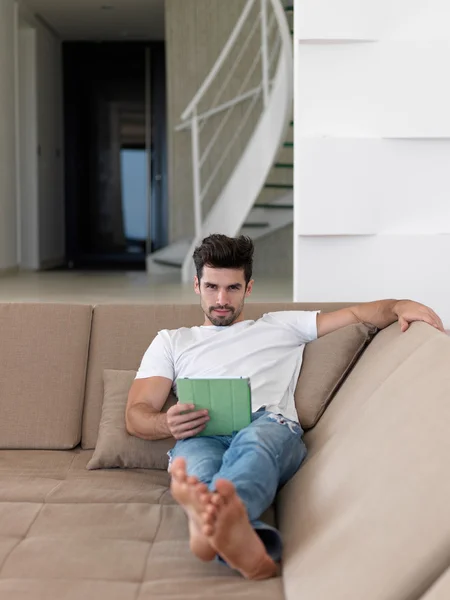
178	475
207	520
216	500
204	498
225	489
209	516
179	463
207	530
178	469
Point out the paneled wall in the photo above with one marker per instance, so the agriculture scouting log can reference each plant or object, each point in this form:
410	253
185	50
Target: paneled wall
372	160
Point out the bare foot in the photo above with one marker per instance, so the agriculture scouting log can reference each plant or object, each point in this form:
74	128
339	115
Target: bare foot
193	497
229	532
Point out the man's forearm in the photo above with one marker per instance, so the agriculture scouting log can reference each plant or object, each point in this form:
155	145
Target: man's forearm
144	423
380	313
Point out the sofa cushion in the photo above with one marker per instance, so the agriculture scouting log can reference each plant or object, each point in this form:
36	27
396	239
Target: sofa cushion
101	534
121	334
384	355
440	590
60	477
115	447
43	357
326	363
69	589
367	514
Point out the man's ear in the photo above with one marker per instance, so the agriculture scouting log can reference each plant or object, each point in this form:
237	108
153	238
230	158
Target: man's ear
249	289
196	285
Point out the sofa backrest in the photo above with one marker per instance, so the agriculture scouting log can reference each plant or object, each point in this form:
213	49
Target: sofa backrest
43	359
122	333
366	517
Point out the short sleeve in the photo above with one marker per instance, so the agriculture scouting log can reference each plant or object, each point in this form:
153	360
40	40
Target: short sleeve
157	360
303	323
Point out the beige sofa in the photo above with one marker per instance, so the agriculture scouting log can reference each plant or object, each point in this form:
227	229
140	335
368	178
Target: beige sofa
366	518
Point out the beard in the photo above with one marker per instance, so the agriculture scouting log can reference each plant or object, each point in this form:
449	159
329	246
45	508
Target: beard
223	320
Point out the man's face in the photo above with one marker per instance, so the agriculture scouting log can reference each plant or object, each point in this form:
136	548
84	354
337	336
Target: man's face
222	294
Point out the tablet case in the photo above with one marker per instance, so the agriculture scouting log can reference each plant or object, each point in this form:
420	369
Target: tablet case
228	401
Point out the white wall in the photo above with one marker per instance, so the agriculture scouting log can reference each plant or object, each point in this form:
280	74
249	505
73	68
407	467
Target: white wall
50	142
372	151
39	218
40	200
26	140
8	240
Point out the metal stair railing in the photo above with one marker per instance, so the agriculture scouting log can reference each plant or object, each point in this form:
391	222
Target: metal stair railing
216	148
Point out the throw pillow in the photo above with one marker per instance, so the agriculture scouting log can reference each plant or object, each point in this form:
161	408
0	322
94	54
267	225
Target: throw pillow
115	446
326	363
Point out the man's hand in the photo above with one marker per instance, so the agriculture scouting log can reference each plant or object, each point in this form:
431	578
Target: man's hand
380	314
408	311
184	421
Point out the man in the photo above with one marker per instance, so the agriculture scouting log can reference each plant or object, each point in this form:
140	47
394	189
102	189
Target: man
224	483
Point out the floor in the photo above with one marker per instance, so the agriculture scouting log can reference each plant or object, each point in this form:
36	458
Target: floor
95	287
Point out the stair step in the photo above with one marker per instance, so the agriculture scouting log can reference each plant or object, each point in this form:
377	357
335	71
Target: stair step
172	255
276	206
256	225
279	186
288	144
283	165
168	263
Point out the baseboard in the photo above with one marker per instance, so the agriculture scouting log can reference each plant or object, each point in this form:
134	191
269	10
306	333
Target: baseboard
52	263
8	271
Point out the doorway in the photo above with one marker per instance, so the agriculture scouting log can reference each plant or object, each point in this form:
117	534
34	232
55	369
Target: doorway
115	140
134	173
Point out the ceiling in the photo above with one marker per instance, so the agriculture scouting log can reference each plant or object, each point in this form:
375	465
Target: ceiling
98	20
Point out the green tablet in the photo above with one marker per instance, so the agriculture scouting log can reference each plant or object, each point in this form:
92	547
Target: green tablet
228	401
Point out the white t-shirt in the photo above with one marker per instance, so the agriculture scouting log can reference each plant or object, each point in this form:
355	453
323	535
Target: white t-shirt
268	351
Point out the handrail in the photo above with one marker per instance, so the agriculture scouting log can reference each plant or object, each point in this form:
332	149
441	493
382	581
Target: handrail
274	53
237	99
237	61
264	52
219	163
271	92
219	62
226	117
224	106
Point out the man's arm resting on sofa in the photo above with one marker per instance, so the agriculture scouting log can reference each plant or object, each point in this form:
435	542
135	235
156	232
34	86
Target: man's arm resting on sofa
380	314
143	415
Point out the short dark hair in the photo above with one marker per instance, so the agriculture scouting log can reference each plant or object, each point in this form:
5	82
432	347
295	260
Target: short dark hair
222	252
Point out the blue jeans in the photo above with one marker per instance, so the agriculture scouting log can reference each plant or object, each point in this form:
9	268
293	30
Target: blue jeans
257	460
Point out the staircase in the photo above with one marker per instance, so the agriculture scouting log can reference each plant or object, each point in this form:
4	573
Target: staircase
255	196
